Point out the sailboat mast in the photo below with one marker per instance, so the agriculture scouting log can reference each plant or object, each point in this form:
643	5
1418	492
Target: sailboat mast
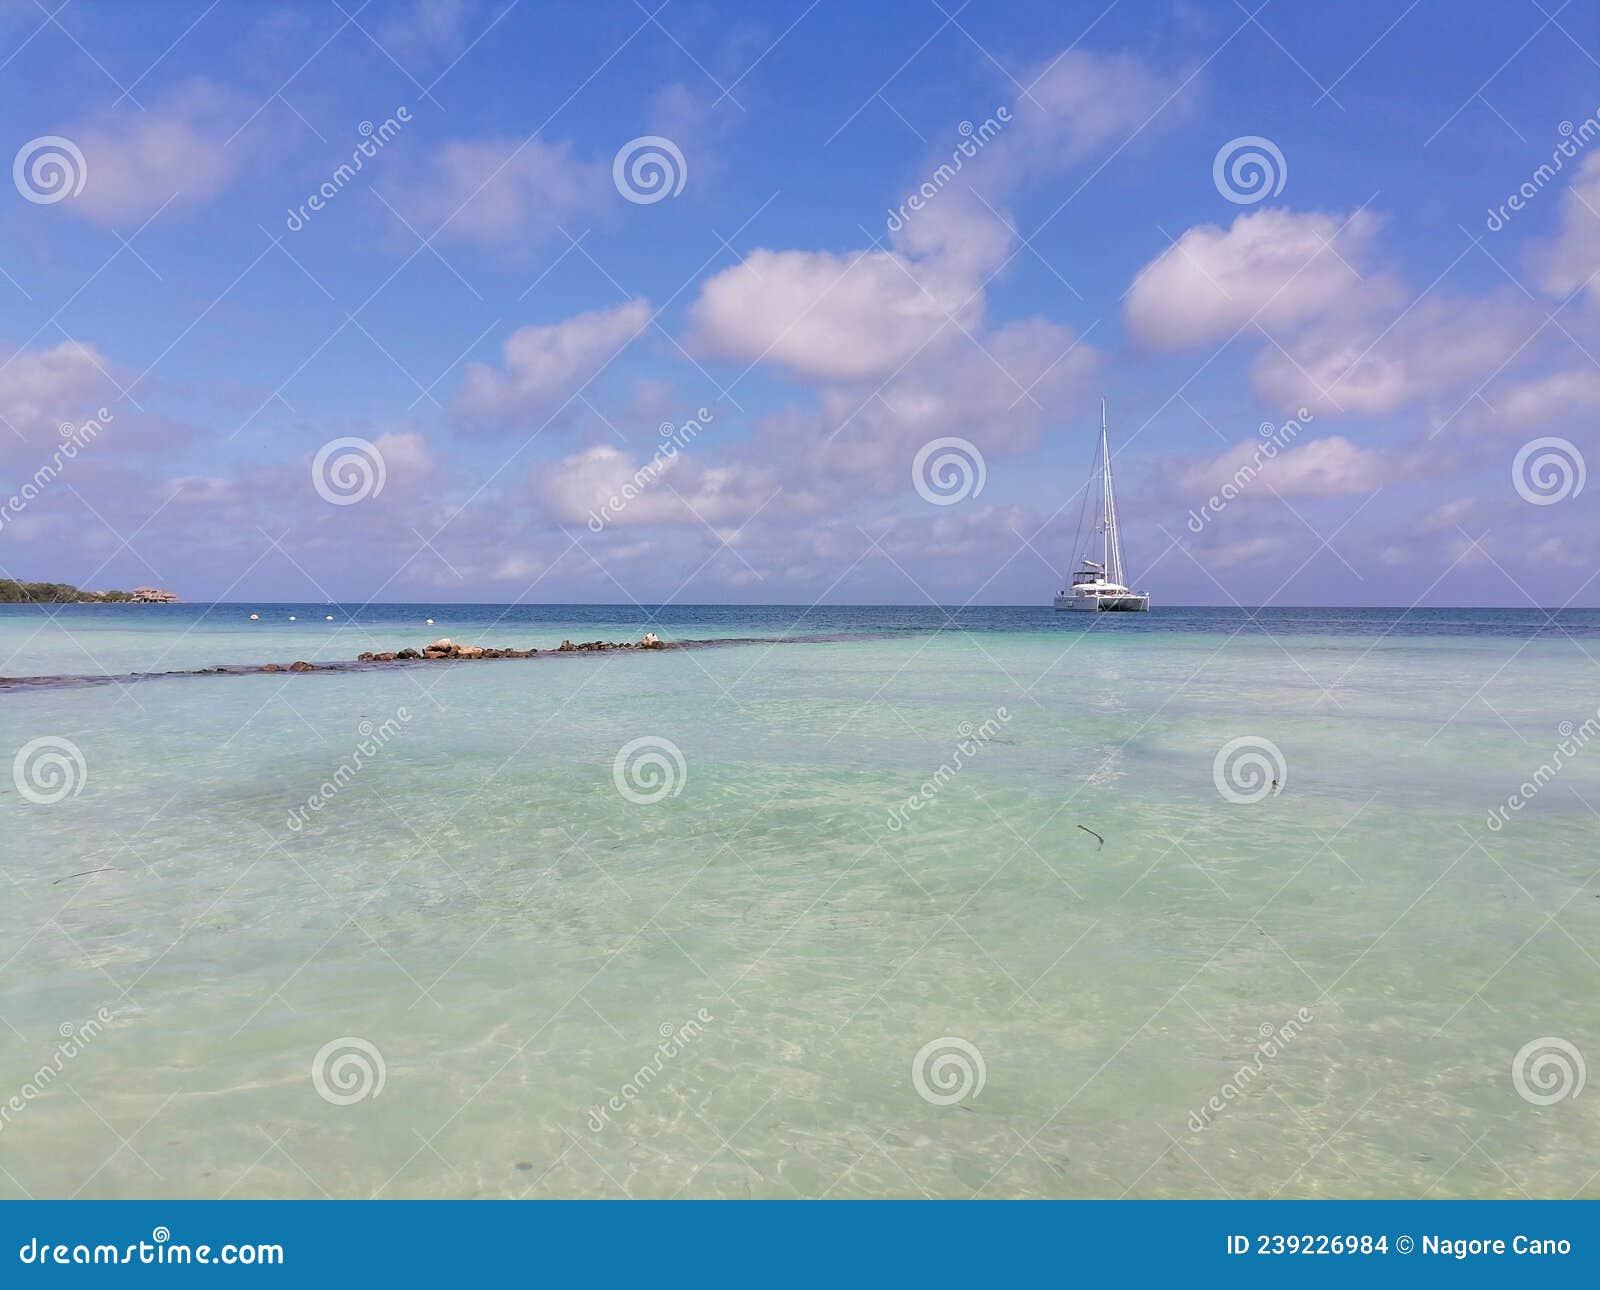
1113	540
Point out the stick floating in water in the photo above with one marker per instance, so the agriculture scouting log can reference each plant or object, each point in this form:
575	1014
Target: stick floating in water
1094	835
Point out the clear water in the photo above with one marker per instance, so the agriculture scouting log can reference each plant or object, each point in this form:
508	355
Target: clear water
481	904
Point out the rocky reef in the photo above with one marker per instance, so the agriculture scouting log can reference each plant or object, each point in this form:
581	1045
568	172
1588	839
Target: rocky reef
445	648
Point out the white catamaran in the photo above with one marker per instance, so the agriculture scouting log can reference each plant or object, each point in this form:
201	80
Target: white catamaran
1098	585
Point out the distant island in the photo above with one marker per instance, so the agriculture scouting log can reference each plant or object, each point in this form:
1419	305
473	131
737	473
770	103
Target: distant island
63	593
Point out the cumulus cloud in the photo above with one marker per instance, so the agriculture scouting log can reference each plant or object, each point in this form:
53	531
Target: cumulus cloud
137	161
832	317
606	481
1379	363
544	365
1326	467
1546	401
1081	102
1571	258
997	391
1272	266
859	316
42	388
508	193
426	29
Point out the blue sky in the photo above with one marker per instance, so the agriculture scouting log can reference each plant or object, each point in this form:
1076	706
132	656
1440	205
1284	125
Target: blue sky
502	332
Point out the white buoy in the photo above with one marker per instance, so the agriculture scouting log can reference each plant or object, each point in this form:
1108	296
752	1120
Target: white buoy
291	618
329	618
255	618
430	622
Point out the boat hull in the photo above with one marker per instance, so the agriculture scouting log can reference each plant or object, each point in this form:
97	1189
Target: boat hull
1127	604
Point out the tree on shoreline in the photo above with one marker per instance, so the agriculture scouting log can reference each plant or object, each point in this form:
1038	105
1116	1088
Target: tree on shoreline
55	593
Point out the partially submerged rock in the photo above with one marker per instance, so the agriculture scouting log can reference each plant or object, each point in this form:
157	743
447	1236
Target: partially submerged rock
445	648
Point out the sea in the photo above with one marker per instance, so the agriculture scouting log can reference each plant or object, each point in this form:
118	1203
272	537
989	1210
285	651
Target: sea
837	901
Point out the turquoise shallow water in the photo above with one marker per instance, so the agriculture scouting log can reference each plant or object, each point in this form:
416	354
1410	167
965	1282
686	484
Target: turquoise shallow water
511	936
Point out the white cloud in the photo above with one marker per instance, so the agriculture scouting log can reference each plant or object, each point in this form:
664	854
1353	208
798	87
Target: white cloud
1572	257
1327	467
505	193
1081	102
545	364
426	29
42	388
1244	551
1377	364
1074	107
1272	266
1541	402
136	161
606	481
830	317
997	390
